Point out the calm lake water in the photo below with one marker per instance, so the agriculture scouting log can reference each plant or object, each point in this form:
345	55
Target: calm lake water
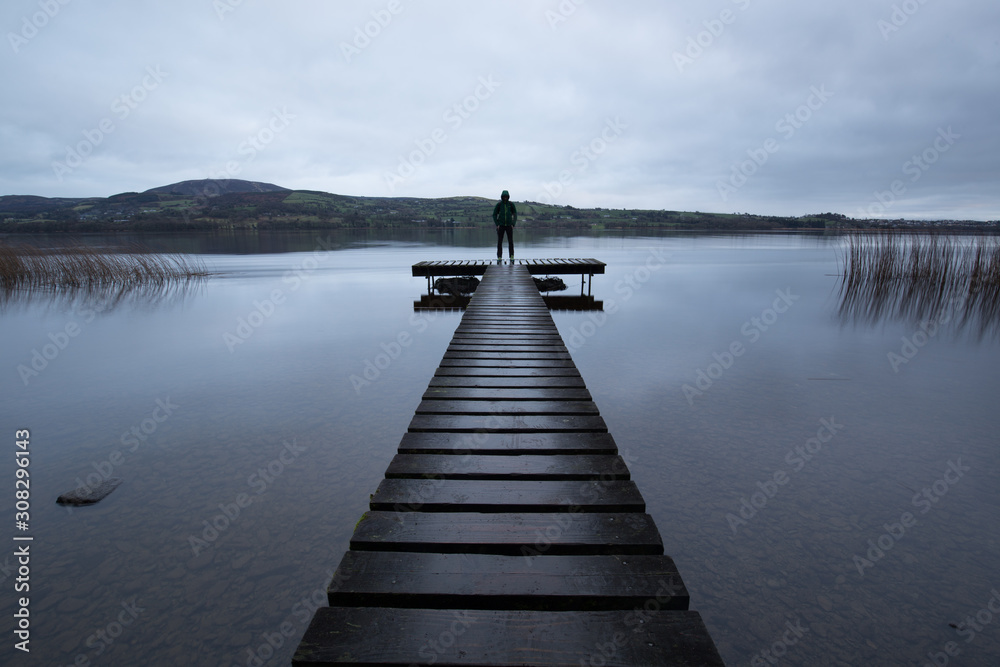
805	470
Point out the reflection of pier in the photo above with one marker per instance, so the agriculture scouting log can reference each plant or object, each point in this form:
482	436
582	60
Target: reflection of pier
507	530
537	267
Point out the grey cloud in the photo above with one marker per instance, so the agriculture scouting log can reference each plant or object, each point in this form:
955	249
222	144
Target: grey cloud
368	87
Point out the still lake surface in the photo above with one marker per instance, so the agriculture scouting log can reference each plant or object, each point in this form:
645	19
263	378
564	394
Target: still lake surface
201	415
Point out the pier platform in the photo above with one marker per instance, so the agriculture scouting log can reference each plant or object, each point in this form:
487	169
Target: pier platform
507	530
585	268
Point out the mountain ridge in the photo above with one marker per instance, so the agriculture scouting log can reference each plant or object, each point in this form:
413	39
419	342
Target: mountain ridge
213	204
226	187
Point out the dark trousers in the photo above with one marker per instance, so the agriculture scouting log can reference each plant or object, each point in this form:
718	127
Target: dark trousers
501	230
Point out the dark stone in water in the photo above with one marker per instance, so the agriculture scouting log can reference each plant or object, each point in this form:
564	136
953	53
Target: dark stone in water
88	495
457	286
549	284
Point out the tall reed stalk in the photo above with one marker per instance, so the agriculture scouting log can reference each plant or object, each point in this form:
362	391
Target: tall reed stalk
920	277
25	266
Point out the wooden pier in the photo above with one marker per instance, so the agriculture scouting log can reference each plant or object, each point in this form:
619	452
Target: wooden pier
536	267
507	530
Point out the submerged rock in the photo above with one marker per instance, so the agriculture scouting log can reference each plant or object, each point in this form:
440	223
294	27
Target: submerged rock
549	284
457	286
88	495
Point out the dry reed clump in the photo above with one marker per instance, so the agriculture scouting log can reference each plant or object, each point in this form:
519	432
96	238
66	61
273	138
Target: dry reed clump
921	277
79	266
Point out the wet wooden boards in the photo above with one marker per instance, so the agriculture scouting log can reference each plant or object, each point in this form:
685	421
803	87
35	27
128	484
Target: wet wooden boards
507	530
535	267
478	267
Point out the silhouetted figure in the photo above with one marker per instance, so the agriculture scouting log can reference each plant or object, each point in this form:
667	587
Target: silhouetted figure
505	217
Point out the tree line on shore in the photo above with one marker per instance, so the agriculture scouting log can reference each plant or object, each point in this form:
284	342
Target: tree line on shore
279	209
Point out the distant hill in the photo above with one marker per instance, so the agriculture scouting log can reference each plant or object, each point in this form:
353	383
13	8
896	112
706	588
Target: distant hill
231	186
31	204
236	204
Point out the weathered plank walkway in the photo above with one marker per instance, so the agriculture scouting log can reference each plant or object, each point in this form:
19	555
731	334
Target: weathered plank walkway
507	530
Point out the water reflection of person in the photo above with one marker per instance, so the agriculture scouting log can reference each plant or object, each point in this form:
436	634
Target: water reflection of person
505	217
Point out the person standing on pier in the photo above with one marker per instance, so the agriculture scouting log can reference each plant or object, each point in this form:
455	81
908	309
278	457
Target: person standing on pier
505	217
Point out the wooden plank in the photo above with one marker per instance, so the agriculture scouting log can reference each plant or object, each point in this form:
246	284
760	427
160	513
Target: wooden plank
573	303
528	315
520	394
570	267
474	316
495	336
436	269
506	324
492	332
523	467
505	328
533	307
517	335
525	351
521	408
504	355
488	348
462	362
500	342
505	381
533	312
481	333
481	442
495	495
506	343
485	371
509	534
484	581
533	267
523	307
492	638
508	424
499	321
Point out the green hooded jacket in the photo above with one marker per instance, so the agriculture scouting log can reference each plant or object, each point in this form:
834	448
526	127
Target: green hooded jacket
504	213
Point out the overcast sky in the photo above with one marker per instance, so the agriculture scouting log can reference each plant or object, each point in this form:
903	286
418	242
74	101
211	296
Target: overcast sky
886	108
